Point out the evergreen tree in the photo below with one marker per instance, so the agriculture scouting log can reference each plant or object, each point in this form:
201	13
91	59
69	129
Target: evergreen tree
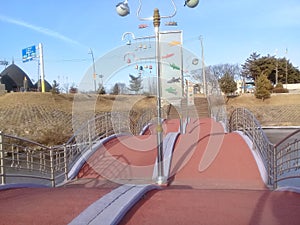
262	87
250	69
270	66
55	87
101	90
116	89
227	84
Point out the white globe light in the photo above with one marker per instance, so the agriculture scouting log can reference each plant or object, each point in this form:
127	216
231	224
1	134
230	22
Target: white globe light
191	3
122	9
195	61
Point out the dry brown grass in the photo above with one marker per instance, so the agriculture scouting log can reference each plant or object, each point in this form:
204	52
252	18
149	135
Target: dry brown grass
47	118
279	110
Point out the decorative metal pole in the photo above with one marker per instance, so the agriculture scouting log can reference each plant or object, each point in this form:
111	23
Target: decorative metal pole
160	170
123	10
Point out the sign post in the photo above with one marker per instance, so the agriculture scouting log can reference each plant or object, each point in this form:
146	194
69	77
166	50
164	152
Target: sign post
28	54
42	67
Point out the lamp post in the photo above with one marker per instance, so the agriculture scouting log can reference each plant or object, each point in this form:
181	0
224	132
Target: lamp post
94	69
123	10
160	170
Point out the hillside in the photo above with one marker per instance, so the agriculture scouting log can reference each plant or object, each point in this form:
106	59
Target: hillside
279	110
47	118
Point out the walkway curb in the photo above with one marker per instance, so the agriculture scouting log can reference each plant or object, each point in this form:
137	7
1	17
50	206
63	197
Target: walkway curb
111	208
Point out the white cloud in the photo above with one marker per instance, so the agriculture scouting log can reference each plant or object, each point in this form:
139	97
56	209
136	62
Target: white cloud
39	29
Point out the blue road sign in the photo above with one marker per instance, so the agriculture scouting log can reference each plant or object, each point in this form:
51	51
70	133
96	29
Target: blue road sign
28	53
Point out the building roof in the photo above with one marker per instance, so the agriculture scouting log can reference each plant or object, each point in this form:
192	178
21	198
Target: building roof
37	85
13	77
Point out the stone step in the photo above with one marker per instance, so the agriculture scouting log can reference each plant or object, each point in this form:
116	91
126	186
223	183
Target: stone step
199	110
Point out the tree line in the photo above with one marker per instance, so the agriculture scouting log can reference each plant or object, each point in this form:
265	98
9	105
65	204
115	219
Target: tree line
269	73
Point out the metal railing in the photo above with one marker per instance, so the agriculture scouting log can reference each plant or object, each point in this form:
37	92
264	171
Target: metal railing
215	99
281	161
26	161
243	120
287	156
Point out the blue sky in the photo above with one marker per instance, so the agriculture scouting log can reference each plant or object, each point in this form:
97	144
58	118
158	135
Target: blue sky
231	31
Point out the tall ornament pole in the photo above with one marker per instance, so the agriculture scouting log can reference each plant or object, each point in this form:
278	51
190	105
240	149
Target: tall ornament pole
160	170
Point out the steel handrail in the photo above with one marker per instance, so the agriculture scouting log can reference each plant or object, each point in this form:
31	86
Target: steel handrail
23	158
287	156
242	119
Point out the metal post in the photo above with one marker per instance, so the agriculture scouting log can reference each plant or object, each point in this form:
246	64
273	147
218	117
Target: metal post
94	69
2	168
42	67
286	74
276	69
160	172
274	167
65	162
183	98
203	68
52	176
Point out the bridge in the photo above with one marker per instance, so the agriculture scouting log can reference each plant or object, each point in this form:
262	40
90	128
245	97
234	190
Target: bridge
218	171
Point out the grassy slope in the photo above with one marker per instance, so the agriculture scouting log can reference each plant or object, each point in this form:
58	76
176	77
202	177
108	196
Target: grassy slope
280	109
47	118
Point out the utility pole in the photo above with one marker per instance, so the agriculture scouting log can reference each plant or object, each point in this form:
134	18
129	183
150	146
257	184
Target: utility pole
203	68
276	69
286	69
94	69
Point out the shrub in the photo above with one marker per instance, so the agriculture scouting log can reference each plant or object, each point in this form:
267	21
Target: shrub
280	90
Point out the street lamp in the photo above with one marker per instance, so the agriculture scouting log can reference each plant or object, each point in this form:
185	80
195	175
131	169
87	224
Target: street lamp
123	10
191	3
94	69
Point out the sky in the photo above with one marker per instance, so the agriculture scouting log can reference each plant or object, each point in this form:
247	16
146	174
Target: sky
231	30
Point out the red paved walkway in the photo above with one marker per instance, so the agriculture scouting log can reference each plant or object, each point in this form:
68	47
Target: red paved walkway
45	206
215	207
206	157
215	180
